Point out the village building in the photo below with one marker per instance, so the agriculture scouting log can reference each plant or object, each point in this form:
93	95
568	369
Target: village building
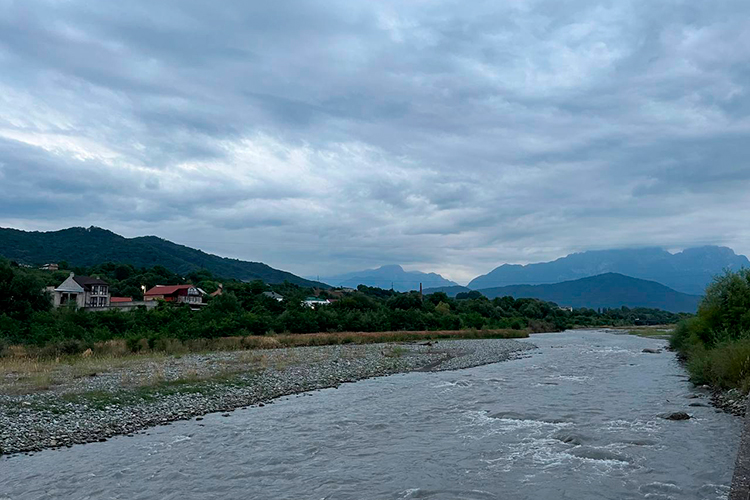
83	291
315	302
50	267
178	294
273	295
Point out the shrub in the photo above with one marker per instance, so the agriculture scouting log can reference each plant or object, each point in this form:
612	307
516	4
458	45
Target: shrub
716	343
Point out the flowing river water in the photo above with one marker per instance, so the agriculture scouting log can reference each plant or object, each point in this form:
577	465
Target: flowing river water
576	419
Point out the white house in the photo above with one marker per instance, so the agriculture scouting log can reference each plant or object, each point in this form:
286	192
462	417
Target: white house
83	291
273	295
315	302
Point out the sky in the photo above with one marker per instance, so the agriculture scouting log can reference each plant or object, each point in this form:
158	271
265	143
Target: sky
325	137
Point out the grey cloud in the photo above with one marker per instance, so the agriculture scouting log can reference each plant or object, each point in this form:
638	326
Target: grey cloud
348	134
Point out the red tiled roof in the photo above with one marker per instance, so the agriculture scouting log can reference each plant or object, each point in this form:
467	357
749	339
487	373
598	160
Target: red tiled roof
167	290
121	299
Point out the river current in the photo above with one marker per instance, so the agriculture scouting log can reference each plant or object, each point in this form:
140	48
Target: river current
576	419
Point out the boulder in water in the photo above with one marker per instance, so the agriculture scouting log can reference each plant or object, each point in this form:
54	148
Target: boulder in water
678	415
651	351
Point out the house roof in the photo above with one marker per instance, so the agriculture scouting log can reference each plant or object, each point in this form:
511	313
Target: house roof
77	284
88	281
167	290
120	299
273	295
70	286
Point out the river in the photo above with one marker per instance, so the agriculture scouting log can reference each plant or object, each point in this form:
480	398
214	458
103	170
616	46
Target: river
575	419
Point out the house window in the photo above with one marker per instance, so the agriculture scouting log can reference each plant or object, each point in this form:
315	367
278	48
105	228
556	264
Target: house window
102	301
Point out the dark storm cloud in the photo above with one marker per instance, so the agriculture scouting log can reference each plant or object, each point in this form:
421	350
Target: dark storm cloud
321	137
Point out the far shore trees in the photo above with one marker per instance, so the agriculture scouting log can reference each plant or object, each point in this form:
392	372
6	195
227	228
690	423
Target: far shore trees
244	309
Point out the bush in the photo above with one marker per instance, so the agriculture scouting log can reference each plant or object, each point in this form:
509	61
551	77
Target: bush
725	366
716	343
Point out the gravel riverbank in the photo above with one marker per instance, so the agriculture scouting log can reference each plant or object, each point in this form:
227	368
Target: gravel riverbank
102	405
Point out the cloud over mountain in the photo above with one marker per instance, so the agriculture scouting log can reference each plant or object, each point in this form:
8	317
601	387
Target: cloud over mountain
326	136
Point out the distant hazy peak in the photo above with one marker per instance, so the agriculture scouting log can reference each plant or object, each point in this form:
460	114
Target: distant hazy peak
688	271
387	276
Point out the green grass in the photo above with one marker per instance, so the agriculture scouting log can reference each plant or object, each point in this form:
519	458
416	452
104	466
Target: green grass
714	358
100	400
654	334
395	352
725	366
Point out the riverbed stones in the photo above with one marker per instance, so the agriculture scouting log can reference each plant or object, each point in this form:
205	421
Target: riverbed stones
732	401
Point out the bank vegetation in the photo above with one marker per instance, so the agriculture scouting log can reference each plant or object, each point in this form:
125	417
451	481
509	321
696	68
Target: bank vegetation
716	342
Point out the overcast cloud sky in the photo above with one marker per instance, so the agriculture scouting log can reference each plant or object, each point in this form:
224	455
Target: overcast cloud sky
323	137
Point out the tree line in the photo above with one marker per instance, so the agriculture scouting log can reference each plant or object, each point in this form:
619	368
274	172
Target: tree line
26	315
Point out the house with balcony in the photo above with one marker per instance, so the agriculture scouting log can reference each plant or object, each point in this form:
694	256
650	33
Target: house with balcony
83	291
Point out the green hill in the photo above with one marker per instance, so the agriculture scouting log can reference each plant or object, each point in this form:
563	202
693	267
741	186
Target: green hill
91	246
605	290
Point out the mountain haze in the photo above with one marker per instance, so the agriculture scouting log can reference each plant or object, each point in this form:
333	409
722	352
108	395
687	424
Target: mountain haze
90	246
688	271
385	276
605	290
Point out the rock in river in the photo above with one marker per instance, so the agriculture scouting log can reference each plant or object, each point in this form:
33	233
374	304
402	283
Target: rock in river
678	415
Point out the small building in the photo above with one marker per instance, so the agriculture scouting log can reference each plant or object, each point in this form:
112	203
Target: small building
179	294
83	291
219	291
50	267
315	302
566	308
273	295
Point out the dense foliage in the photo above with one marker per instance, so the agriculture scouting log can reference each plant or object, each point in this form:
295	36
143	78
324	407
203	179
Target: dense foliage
243	309
716	342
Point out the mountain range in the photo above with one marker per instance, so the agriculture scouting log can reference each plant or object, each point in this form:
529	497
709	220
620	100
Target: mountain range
605	290
387	277
688	271
90	246
648	277
609	290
